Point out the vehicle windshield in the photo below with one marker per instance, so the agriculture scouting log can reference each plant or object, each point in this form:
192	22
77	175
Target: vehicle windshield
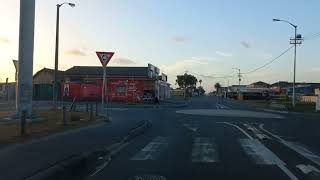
159	90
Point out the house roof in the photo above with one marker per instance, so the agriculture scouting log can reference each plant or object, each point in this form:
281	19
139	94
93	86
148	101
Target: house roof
289	84
111	71
260	83
60	73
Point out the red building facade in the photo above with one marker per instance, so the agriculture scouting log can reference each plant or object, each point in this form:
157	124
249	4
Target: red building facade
124	84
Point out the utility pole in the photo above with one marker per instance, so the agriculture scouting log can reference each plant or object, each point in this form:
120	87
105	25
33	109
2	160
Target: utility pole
239	76
56	54
185	84
26	39
296	40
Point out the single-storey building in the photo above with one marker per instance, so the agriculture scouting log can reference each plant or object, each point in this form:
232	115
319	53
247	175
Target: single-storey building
124	84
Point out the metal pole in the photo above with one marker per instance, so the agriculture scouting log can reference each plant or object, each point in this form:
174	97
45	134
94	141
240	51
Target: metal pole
23	123
56	57
26	39
107	98
91	112
239	84
103	84
294	68
64	118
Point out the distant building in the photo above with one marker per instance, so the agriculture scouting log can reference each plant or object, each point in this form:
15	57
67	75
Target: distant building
125	84
301	88
43	84
8	91
259	84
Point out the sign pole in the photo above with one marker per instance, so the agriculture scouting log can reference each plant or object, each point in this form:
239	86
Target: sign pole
104	58
107	94
103	84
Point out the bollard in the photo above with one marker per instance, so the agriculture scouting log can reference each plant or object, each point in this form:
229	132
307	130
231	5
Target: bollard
96	108
64	118
87	108
91	112
23	123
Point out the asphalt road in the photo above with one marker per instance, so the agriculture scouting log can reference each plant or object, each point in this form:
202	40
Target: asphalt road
215	138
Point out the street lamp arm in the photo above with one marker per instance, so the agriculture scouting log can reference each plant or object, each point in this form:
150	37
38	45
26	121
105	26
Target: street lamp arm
295	26
70	4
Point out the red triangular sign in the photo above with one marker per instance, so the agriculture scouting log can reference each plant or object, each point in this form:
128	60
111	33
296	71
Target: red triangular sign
104	57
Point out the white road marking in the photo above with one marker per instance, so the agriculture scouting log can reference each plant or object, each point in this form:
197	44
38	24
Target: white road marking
306	169
152	150
229	113
239	128
221	106
190	127
268	156
259	153
300	149
204	150
256	132
275	111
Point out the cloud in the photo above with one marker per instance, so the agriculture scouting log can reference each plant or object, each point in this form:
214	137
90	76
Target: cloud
180	39
4	40
224	54
245	44
75	52
123	61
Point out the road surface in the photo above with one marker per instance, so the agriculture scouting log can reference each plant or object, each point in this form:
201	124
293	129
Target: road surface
215	138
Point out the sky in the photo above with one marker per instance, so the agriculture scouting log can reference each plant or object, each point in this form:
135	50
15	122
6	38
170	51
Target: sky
206	38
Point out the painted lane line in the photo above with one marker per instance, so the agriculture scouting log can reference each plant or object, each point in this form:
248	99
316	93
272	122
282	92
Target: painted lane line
298	148
275	111
204	150
221	106
269	154
239	128
259	153
152	150
306	169
256	132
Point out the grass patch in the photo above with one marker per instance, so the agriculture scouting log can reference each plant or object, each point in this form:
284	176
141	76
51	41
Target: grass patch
302	107
51	123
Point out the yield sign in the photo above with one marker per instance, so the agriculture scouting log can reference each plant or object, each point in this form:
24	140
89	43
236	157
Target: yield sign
104	57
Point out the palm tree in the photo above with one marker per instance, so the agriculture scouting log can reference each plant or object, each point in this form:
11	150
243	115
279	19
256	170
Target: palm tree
217	86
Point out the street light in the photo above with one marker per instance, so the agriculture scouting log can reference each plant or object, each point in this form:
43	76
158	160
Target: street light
295	42
56	58
239	76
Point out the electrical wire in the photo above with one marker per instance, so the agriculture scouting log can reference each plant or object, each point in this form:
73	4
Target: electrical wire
269	62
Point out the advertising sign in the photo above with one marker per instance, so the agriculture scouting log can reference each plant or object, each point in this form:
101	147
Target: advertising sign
318	104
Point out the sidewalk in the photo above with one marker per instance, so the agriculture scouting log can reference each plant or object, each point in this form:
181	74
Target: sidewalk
21	160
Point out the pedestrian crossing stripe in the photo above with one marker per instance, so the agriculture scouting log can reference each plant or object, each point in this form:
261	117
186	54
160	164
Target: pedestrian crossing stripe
152	150
204	150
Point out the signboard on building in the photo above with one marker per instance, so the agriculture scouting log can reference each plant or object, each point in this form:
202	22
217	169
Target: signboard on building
317	92
318	104
153	71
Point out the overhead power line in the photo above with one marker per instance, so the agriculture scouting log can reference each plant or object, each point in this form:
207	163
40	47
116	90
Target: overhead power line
269	62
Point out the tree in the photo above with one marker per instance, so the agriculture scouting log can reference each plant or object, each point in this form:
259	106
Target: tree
186	81
217	86
201	90
200	81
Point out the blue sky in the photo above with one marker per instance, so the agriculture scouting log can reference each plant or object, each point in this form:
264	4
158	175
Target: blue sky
207	37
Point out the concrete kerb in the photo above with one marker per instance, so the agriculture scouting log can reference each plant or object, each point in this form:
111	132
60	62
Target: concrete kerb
87	163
